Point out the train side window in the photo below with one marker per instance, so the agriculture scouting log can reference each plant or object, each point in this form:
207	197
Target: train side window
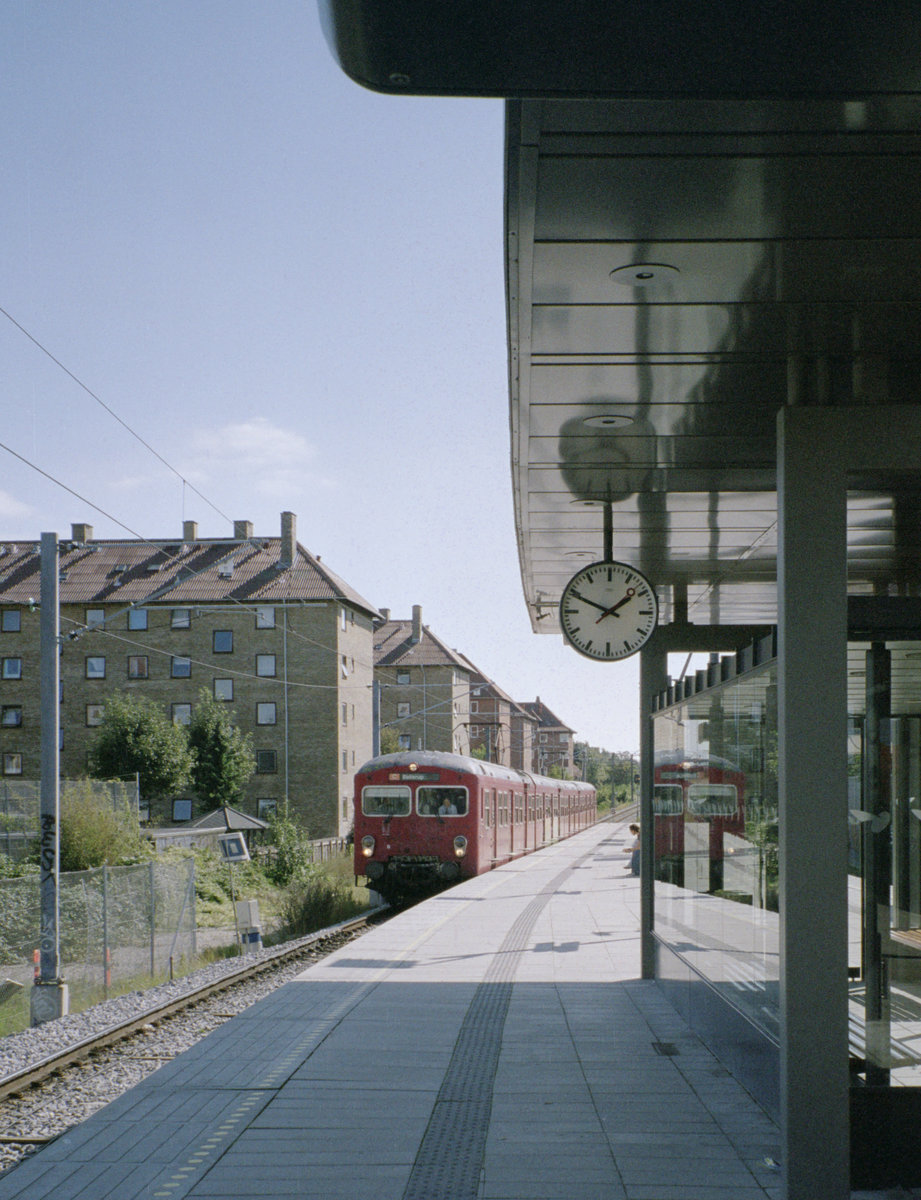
382	801
441	801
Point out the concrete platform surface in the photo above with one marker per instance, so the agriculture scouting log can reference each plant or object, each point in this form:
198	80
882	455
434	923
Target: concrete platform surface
493	1043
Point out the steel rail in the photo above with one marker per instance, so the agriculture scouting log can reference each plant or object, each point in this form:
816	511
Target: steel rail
19	1081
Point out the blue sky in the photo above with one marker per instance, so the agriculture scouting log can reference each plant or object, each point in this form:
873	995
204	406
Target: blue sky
292	289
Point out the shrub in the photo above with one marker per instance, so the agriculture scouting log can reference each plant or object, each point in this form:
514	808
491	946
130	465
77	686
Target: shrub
290	855
94	834
316	901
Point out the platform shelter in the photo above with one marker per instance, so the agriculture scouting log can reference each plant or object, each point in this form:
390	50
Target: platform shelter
713	238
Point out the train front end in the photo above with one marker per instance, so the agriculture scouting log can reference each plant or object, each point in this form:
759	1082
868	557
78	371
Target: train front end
415	824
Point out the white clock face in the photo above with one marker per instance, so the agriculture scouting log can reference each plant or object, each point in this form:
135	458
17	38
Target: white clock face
608	611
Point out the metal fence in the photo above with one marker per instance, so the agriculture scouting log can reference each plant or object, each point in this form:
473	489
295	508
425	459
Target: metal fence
116	923
20	804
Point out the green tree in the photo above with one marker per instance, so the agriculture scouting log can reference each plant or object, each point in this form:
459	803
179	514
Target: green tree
390	740
137	738
222	757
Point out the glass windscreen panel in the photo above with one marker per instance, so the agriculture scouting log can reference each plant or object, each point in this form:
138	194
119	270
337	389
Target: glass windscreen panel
884	877
715	837
441	801
385	800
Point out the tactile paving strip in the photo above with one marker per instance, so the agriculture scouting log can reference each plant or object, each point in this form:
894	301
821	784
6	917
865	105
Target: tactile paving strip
450	1159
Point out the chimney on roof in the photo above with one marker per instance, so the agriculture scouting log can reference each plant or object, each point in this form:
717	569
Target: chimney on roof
417	624
190	531
385	613
242	530
81	533
288	539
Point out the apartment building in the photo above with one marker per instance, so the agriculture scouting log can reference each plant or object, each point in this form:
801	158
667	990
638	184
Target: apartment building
555	742
424	686
259	622
499	729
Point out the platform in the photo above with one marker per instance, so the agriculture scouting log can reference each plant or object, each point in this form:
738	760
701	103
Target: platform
493	1043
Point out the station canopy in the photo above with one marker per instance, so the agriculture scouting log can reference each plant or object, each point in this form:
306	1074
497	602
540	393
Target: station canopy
712	211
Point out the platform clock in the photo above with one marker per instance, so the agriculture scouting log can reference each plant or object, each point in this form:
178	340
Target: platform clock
608	611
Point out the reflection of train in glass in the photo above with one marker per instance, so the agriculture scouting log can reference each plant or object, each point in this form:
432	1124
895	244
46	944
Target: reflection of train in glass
424	820
697	801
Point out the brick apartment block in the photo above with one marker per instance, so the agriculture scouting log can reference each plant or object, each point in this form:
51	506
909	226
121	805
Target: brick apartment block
258	621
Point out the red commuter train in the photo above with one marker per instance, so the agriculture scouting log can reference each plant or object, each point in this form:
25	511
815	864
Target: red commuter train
697	801
425	820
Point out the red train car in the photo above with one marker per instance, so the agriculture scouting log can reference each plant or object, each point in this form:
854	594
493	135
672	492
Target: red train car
426	820
697	801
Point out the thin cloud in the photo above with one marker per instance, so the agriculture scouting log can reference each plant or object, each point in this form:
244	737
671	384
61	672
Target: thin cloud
257	454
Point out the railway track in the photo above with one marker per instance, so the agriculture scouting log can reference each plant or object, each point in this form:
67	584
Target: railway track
17	1082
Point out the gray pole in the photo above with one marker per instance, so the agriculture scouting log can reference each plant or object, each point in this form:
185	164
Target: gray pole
49	995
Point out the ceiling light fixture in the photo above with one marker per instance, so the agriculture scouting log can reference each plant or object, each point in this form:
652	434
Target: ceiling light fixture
644	275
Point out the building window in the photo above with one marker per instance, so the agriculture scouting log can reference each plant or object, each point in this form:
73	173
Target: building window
137	666
95	617
12	764
344	619
345	666
181	714
182	810
405	741
95	714
474	706
96	667
11	669
402	676
403	709
223	689
266	762
180	668
345	714
265	665
265	617
265	713
266	806
10	620
543	738
474	731
345	760
11	715
181	618
222	641
137	618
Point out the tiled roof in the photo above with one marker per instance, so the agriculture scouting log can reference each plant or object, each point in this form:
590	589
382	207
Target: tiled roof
174	573
393	646
478	679
544	716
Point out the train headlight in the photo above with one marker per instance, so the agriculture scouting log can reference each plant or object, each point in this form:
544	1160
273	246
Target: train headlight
460	846
367	845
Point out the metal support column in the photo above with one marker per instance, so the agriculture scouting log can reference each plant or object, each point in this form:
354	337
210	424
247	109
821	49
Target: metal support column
49	998
877	858
812	714
653	679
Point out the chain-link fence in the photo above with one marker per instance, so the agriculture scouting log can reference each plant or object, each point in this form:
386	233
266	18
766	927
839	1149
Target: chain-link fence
116	923
20	806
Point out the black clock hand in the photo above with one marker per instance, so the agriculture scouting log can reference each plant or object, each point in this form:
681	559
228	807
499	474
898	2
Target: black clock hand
585	599
612	611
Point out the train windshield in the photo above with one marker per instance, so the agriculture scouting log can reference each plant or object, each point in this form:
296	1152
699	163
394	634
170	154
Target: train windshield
382	801
713	799
667	799
441	801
